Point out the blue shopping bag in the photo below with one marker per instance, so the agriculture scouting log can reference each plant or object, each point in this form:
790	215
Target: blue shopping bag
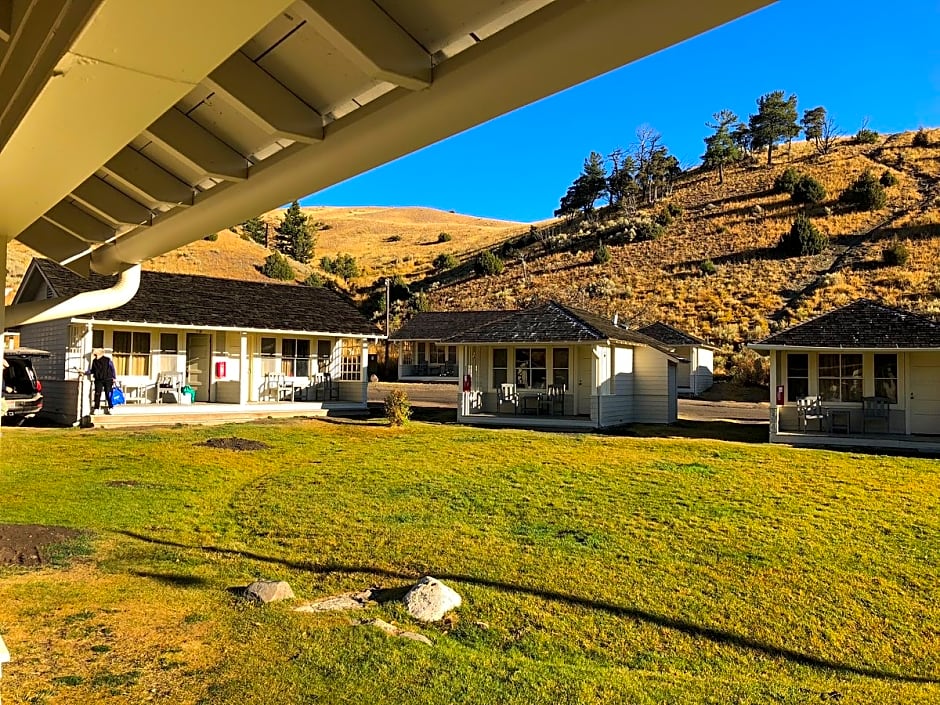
117	396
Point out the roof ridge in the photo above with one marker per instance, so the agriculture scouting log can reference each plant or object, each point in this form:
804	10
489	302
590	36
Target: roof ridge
572	315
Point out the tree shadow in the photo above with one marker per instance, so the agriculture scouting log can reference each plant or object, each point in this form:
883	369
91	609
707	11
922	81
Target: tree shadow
174	579
718	636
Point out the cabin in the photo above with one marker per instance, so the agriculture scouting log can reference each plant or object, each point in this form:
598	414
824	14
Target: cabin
231	345
553	366
864	374
696	371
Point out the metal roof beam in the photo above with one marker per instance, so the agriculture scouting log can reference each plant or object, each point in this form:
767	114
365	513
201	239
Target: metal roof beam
103	198
369	38
198	147
264	101
132	168
81	224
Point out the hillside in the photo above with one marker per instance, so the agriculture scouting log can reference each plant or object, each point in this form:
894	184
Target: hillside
735	226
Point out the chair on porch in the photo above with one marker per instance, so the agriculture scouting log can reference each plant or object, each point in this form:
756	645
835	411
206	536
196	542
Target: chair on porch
554	401
507	394
811	409
875	410
169	387
326	388
277	387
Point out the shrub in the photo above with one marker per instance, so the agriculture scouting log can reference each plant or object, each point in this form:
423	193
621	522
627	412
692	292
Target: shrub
921	138
648	230
888	178
343	265
895	254
314	280
663	218
749	368
488	263
674	209
393	238
802	239
602	254
865	194
444	237
276	266
445	261
397	408
787	180
212	237
866	136
707	267
808	190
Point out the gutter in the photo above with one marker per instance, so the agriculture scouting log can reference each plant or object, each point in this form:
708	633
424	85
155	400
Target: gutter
79	305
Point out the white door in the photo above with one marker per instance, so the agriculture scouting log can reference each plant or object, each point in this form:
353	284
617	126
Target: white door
925	393
198	359
586	384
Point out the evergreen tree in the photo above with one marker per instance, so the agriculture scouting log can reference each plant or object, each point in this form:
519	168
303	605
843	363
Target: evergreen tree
586	189
720	148
813	123
775	121
621	184
256	230
276	266
294	236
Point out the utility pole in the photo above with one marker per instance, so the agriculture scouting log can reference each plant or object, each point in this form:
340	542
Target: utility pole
388	307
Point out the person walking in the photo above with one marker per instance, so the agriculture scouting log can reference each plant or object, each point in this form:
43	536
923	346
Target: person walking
103	372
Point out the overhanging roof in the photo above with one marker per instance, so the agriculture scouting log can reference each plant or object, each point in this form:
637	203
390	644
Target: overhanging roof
128	129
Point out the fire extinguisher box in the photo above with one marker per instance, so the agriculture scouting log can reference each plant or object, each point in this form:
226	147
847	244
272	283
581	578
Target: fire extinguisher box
220	369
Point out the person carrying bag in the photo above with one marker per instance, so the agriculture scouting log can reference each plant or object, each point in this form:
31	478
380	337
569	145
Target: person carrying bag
103	372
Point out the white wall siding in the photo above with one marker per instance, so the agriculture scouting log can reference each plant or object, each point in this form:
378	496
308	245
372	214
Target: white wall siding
616	406
651	387
703	367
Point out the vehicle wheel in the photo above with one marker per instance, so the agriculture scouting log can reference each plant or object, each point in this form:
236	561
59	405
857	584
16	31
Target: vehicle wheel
13	420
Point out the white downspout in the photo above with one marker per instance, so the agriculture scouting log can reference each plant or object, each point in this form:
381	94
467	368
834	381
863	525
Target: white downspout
79	305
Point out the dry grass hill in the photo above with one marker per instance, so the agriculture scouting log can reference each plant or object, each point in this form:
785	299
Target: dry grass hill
735	226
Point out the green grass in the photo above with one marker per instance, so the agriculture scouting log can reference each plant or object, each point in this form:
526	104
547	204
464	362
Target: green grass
594	569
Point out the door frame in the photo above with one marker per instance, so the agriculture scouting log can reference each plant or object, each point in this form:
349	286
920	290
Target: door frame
208	371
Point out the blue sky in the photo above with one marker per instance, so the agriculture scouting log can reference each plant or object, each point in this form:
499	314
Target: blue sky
858	59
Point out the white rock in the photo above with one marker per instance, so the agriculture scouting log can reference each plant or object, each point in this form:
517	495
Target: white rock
430	600
392	630
269	591
338	603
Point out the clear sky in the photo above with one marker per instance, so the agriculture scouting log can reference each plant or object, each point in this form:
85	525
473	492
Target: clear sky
857	58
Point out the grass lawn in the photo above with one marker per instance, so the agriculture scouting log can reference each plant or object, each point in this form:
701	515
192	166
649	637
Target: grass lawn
594	569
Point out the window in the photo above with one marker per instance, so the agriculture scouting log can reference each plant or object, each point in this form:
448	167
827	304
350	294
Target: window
407	353
324	354
131	353
351	368
295	357
797	376
840	377
268	355
169	349
530	368
560	367
422	350
500	366
443	354
886	376
97	339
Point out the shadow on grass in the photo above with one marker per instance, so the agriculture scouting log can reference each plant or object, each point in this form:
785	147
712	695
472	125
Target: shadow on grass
717	430
717	636
171	578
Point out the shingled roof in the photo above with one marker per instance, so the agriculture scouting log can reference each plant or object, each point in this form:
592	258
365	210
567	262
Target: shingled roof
860	324
437	325
553	323
667	335
183	299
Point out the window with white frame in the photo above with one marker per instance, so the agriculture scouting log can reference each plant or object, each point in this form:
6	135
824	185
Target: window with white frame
840	377
407	352
324	355
131	353
530	367
295	357
797	376
500	366
886	376
268	356
560	364
169	352
351	364
443	354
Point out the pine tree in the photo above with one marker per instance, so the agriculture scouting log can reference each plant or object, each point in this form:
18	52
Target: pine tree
294	237
586	189
720	148
813	123
775	121
256	230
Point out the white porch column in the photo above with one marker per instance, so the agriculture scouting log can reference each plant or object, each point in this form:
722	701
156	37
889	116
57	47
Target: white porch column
364	375
244	364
